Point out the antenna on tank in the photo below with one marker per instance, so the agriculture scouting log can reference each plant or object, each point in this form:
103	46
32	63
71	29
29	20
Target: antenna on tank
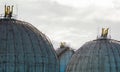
97	32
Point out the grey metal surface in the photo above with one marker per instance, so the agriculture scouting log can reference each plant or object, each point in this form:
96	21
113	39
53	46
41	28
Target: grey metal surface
25	49
60	51
101	55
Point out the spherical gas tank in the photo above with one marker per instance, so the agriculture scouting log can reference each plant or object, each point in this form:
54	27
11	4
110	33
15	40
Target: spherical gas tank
23	48
101	55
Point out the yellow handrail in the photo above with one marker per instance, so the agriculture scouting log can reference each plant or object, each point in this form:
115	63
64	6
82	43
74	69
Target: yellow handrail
8	11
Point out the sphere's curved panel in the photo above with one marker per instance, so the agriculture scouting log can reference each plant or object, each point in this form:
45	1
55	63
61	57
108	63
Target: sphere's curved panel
64	60
96	56
64	55
25	49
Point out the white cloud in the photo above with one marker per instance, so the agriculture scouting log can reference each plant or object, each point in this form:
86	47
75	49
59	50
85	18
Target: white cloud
86	3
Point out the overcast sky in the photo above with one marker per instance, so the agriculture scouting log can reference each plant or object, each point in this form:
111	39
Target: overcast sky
71	21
